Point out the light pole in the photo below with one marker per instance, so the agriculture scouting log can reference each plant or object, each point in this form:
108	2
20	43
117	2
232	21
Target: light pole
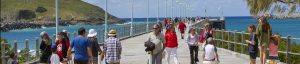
131	27
166	8
157	10
105	25
56	18
171	9
147	29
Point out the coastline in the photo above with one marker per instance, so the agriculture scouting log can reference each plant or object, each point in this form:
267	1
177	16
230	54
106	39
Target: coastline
7	26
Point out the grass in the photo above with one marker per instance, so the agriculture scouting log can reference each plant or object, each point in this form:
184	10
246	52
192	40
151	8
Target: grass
68	9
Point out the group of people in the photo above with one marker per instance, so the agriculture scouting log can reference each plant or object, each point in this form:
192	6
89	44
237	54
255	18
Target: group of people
84	49
260	38
263	38
166	44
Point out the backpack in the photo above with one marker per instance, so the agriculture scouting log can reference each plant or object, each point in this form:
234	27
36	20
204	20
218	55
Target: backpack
150	46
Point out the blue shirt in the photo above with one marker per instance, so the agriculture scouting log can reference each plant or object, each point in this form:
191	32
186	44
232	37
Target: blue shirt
80	45
253	48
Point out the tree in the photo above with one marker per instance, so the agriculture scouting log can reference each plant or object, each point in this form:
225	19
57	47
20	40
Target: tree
261	7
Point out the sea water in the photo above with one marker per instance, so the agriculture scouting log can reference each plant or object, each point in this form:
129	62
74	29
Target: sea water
283	26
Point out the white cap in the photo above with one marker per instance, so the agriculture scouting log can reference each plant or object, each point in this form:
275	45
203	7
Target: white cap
65	31
92	33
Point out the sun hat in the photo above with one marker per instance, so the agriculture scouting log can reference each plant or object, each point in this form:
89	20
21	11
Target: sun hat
155	26
112	33
92	33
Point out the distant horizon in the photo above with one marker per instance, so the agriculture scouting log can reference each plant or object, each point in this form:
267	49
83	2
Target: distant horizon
193	16
122	8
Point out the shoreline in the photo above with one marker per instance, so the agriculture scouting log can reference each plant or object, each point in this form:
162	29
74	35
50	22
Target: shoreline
15	25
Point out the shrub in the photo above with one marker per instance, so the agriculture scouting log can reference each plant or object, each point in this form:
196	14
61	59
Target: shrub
26	14
40	9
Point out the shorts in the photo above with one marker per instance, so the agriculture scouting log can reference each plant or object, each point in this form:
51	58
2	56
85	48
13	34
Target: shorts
253	55
273	57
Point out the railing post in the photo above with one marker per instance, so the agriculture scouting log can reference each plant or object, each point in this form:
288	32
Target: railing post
37	51
15	47
228	39
235	42
217	37
27	50
288	50
222	38
3	52
68	33
74	33
54	39
242	35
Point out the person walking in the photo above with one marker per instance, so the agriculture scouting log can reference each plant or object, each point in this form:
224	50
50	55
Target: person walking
63	44
158	39
82	49
206	33
182	28
193	41
264	33
45	47
112	48
96	51
171	44
252	44
210	55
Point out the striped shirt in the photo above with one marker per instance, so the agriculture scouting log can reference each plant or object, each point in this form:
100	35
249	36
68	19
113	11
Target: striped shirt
112	50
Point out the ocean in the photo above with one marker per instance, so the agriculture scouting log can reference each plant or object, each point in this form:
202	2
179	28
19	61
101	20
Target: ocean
283	26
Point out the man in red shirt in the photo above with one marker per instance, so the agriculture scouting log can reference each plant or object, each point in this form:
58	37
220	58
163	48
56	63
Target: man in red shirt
182	28
171	44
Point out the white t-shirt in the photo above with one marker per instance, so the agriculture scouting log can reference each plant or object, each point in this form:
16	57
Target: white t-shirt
54	59
209	51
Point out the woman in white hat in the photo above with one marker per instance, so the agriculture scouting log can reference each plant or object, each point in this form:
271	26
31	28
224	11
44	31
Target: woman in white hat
94	45
112	48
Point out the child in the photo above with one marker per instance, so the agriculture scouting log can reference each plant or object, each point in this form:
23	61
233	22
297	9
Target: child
273	48
252	44
54	59
12	59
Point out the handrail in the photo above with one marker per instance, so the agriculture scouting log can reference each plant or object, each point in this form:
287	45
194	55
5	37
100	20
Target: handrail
221	40
140	28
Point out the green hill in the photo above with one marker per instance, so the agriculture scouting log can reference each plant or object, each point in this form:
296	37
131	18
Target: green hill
68	9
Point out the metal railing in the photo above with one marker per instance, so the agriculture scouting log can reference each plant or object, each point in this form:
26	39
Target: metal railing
231	39
123	32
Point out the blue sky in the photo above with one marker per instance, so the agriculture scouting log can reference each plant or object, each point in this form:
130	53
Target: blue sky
122	8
